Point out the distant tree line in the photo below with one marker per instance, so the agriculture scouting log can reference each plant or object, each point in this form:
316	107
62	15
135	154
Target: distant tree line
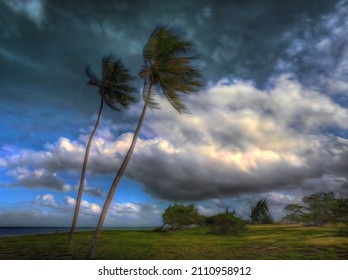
179	216
318	209
315	209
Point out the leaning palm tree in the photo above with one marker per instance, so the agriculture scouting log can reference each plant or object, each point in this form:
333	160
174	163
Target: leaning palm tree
115	91
167	70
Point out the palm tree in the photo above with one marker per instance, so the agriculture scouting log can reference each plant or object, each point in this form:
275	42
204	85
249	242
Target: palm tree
167	56
116	93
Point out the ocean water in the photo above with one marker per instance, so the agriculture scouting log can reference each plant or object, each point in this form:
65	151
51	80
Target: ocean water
15	231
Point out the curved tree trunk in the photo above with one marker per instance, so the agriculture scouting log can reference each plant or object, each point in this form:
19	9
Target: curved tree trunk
83	175
117	180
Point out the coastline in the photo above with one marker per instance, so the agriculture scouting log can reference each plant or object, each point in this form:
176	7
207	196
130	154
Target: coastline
22	231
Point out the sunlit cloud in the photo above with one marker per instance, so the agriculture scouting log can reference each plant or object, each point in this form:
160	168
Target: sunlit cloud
237	140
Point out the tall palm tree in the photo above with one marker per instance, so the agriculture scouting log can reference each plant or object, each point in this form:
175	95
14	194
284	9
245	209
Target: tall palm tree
115	91
168	70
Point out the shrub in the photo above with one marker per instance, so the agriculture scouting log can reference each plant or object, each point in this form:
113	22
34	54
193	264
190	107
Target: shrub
225	223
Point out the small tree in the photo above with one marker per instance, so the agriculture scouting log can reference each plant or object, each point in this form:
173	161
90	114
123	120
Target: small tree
178	216
260	213
226	223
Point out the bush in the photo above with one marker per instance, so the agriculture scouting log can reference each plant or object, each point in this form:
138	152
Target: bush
225	223
178	216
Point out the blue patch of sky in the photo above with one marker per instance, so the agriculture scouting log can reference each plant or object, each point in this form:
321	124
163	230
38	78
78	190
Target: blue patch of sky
337	132
19	195
341	99
5	179
32	128
132	191
127	191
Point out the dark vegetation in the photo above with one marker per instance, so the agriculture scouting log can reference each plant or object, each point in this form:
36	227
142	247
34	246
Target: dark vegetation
316	210
260	213
179	216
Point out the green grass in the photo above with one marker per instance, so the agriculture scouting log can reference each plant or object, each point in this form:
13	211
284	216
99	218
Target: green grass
258	242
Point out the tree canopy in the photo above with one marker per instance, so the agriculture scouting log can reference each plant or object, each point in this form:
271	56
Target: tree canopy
318	209
178	216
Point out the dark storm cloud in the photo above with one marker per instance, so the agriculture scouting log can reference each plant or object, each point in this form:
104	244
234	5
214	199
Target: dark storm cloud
45	46
242	38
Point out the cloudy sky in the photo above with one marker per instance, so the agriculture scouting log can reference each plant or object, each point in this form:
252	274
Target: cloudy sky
271	121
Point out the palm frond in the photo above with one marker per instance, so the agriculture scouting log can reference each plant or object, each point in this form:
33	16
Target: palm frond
93	80
114	86
176	102
168	57
152	103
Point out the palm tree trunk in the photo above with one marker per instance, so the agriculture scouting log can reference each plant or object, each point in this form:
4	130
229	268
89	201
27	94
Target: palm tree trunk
117	180
83	175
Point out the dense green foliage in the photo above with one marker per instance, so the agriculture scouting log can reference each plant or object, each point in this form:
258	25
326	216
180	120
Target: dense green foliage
318	209
260	213
225	223
260	242
178	216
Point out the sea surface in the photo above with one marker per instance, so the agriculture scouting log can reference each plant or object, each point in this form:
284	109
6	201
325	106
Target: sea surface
15	231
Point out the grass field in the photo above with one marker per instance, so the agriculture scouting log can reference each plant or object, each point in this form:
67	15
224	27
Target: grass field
258	242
